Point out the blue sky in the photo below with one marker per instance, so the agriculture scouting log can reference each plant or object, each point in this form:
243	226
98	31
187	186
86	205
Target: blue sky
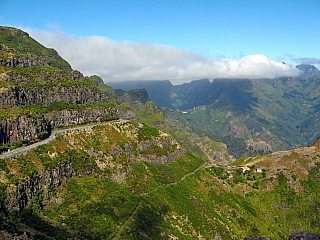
204	31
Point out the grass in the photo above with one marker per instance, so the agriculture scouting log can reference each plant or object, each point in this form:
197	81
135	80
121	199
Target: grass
17	39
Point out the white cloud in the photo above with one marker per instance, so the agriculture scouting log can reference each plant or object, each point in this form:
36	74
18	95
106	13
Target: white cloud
120	61
308	60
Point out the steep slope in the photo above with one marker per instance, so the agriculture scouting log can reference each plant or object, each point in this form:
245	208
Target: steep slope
22	50
39	91
112	158
281	112
128	181
159	91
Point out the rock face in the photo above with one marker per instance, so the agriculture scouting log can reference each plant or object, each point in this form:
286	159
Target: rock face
133	97
308	70
258	145
149	154
33	76
66	117
43	183
127	113
24	127
23	62
234	131
39	86
17	95
304	236
23	44
96	80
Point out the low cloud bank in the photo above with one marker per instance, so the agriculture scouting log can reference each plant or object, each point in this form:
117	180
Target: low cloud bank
308	60
121	61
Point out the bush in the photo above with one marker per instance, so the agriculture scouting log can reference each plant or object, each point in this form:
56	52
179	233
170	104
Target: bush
43	135
108	118
147	132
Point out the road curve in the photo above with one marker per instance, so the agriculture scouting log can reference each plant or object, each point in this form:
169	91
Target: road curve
25	150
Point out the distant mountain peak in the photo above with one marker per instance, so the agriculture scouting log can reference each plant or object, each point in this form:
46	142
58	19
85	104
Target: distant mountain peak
308	70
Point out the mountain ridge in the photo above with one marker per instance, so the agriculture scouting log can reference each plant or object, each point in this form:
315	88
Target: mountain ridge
134	179
282	111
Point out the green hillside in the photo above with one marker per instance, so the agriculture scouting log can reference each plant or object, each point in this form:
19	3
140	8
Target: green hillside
40	92
281	112
161	173
23	44
108	184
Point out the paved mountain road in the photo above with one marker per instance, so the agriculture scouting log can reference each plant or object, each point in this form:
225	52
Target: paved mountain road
25	150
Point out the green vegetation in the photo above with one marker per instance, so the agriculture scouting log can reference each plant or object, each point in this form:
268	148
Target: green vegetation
11	146
158	201
107	90
44	77
146	132
107	117
87	196
41	109
270	109
147	176
129	180
19	40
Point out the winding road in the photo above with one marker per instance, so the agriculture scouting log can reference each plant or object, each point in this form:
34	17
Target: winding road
25	150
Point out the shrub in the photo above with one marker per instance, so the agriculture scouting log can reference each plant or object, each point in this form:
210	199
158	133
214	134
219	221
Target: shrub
108	118
147	132
43	135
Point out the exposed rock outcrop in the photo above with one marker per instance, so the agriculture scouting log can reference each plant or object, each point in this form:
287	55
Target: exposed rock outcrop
17	95
67	117
24	44
133	97
126	113
258	145
23	62
148	151
24	127
233	130
304	236
42	184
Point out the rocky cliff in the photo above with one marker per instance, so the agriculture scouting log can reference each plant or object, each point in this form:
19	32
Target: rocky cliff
16	95
27	127
80	159
23	44
37	187
40	91
67	117
11	58
46	86
24	127
259	146
134	97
